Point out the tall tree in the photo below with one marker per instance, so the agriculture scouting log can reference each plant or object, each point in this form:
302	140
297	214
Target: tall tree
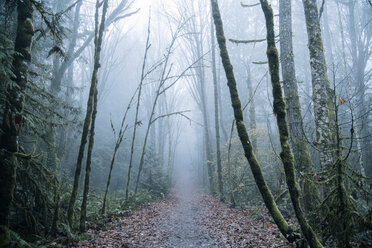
161	89
198	82
299	145
13	113
286	154
77	51
360	33
322	91
143	75
242	131
216	114
279	110
99	28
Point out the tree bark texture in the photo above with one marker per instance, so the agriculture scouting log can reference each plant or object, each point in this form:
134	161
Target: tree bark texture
88	166
99	29
242	131
302	159
280	113
322	92
13	119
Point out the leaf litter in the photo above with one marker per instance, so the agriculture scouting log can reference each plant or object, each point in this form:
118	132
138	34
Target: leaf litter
188	218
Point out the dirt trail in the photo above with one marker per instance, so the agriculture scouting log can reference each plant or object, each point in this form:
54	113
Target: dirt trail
188	218
185	227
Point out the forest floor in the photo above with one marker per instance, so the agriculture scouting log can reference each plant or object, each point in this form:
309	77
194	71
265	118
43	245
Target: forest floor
189	218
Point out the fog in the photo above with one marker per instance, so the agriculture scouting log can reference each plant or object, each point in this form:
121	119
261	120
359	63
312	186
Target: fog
114	104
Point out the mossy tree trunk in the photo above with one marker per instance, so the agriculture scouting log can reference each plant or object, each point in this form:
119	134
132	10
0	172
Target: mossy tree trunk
83	209
242	131
322	92
303	163
344	207
279	110
216	115
13	119
280	113
99	28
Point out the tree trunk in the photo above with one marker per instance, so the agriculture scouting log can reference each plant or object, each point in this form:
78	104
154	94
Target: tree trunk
158	92
327	36
360	54
322	92
204	110
303	163
252	109
137	109
280	113
242	131
221	114
99	28
76	53
216	112
13	119
83	210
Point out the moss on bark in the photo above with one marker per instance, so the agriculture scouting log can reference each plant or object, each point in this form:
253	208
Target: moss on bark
322	91
99	28
303	162
280	113
83	211
242	132
14	109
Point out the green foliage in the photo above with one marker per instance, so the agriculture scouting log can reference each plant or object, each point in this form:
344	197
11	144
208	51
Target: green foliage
33	199
364	239
341	215
136	200
12	239
6	73
242	181
155	179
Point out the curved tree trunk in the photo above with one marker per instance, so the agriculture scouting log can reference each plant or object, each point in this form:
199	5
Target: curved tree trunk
279	110
280	113
242	131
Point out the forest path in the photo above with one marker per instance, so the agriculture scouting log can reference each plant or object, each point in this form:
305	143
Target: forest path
188	218
185	226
